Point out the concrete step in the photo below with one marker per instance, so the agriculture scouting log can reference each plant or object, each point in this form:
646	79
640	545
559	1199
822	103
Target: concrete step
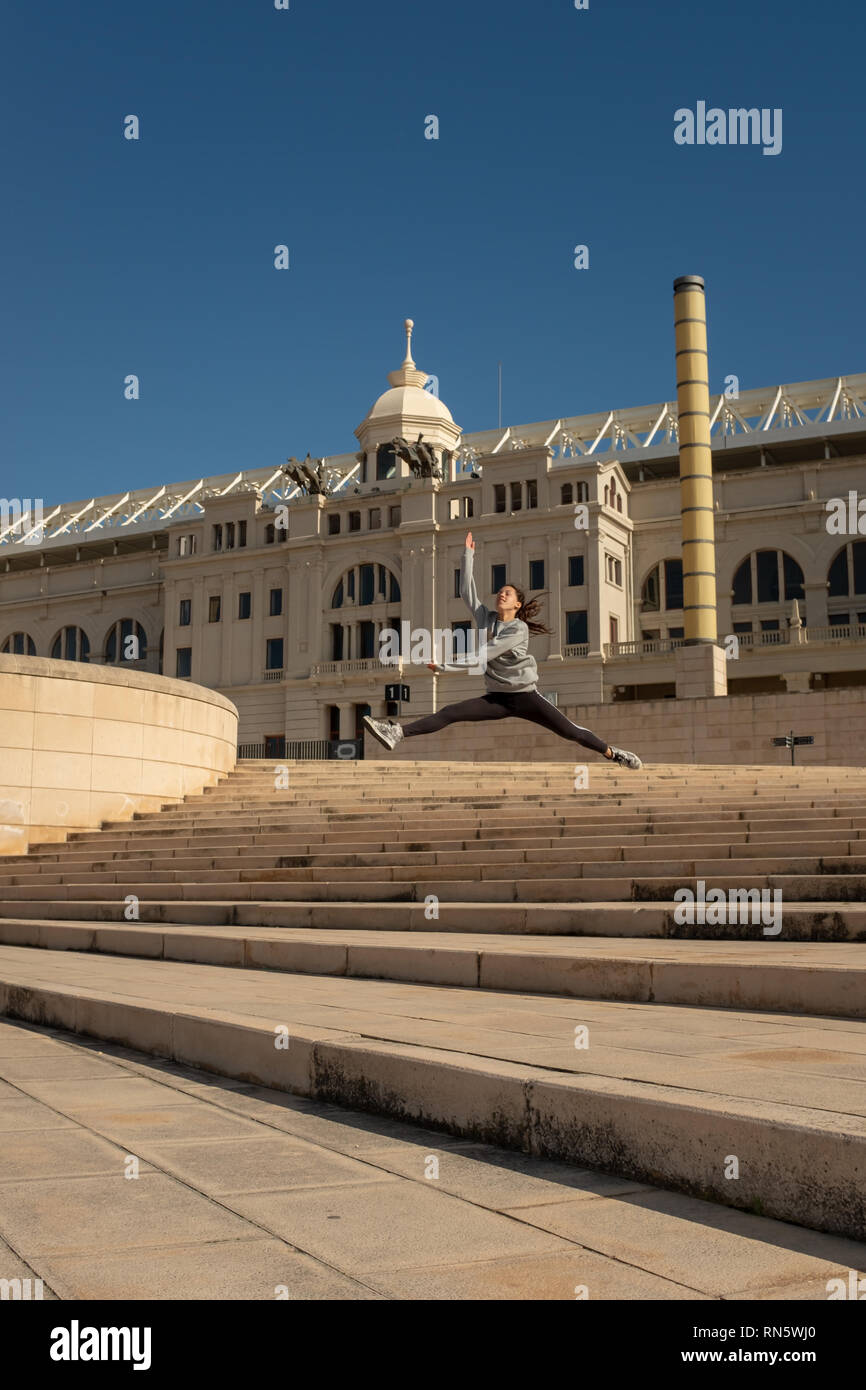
658	1093
561	863
802	921
540	882
815	978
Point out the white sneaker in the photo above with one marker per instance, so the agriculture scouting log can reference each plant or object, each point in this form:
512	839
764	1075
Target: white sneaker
385	731
625	759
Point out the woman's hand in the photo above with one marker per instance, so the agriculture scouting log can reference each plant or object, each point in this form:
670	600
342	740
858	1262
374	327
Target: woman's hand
470	544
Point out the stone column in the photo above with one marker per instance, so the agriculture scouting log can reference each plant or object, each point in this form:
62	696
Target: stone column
696	461
701	668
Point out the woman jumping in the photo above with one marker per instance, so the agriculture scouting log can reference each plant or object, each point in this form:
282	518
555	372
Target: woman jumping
510	676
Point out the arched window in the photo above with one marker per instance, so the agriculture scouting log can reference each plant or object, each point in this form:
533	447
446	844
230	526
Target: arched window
19	644
71	644
663	587
768	576
846	581
126	640
846	577
366	584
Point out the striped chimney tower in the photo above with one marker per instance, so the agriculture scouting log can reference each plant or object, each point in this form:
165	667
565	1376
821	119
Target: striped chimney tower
696	461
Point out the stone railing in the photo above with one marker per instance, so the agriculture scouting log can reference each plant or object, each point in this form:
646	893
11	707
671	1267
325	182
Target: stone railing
780	637
346	668
652	646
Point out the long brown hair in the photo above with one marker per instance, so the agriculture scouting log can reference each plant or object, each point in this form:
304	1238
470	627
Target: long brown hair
529	612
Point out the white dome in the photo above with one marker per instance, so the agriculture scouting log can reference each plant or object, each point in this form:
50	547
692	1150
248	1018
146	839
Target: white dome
412	401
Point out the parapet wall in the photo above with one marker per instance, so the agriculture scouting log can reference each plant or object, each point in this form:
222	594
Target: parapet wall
82	744
725	729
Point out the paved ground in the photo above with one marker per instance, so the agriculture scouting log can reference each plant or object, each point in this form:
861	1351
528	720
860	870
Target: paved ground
245	1193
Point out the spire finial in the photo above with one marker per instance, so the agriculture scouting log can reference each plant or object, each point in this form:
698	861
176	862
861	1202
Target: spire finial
408	374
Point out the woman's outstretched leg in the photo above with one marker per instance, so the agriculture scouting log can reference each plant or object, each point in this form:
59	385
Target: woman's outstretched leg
474	711
532	706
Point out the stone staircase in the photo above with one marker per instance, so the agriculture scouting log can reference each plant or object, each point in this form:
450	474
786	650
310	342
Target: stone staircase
486	949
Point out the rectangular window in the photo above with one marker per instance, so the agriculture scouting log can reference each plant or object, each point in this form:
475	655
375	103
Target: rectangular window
461	639
214	607
575	571
367	635
742	627
393	589
183	663
673	583
499	497
576	630
394	516
457	583
536	574
836	620
383	586
768	576
772	624
354	521
244	605
334	530
336	641
531	494
375	519
217	538
516	497
274	654
242	533
497	577
365	594
276	607
332	720
230	535
350	585
185	613
676	632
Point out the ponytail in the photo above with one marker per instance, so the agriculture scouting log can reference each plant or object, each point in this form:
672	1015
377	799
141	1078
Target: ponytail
529	612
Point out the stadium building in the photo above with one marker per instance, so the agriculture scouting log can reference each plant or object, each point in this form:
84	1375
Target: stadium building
277	595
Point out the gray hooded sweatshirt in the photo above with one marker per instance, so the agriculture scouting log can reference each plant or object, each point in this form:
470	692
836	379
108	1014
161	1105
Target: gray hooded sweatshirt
510	668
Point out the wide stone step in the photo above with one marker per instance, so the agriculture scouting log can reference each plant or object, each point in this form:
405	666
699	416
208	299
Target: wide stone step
203	868
448	882
660	1093
801	921
809	978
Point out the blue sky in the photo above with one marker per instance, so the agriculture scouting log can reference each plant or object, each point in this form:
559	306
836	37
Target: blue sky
306	127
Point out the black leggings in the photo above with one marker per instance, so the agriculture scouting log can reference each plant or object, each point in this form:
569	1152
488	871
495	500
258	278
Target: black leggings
521	704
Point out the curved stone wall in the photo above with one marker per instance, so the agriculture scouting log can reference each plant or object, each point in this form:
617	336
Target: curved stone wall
82	744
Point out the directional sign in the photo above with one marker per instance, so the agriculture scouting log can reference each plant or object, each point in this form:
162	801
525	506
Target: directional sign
791	740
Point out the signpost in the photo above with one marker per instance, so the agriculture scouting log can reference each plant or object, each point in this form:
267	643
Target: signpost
791	740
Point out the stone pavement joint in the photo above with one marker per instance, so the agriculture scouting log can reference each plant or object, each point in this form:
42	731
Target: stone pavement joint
245	1193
